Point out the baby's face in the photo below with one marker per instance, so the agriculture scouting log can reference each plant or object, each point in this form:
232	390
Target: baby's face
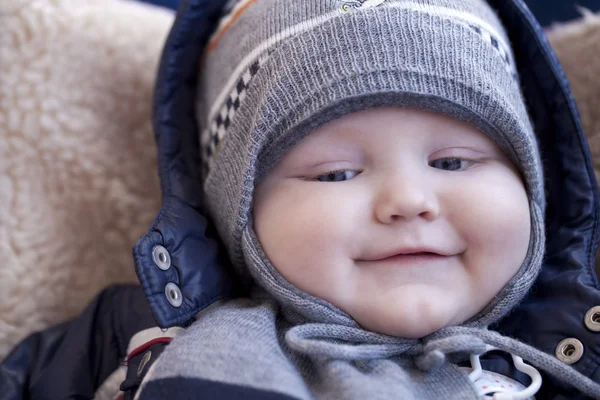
407	220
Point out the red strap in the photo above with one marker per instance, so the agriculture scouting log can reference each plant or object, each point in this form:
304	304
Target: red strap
148	344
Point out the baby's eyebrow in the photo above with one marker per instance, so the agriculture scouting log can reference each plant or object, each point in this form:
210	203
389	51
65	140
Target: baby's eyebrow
333	160
481	149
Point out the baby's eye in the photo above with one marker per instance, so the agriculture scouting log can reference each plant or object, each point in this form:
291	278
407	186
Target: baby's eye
337	176
449	164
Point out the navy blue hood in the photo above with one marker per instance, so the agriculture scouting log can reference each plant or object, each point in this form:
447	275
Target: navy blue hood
183	268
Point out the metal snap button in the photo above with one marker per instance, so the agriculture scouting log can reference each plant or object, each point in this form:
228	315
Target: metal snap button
144	362
569	350
592	319
161	257
173	294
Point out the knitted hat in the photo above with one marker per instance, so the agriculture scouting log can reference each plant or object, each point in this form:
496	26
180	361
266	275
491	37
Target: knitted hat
275	70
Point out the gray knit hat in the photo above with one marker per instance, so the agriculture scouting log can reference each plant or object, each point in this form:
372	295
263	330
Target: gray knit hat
275	70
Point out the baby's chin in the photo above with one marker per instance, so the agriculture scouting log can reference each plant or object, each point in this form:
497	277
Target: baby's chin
402	328
411	320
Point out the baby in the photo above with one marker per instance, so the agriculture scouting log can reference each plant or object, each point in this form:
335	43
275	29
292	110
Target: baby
373	171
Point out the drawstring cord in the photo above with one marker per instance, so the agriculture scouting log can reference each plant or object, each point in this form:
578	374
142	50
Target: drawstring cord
344	342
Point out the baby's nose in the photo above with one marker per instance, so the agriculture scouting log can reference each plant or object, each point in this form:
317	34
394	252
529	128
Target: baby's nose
405	199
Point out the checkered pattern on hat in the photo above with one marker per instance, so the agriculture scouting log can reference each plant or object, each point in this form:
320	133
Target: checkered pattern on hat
504	53
212	135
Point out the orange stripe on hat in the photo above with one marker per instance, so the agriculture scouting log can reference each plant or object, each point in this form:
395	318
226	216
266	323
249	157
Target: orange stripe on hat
234	16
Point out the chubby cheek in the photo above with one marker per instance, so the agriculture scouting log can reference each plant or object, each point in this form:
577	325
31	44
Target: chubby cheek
306	237
497	230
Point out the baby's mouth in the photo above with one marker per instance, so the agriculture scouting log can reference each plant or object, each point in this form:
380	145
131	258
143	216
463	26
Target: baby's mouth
406	258
421	256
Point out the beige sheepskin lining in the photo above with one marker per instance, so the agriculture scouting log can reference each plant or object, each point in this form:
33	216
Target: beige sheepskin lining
78	178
